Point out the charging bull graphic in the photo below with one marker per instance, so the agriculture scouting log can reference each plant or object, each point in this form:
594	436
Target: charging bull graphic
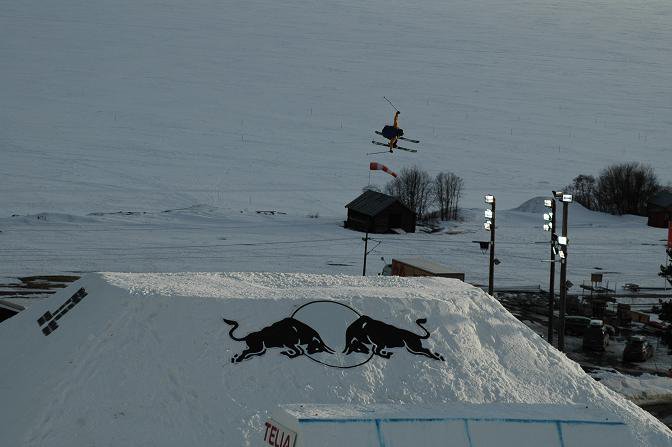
366	335
297	337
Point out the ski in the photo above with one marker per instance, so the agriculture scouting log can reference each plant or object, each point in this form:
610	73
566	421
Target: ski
398	147
401	138
377	152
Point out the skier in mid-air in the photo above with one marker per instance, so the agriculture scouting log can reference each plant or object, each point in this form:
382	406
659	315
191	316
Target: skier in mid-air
393	132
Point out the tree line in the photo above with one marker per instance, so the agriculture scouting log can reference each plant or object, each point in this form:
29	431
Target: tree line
619	189
425	195
623	188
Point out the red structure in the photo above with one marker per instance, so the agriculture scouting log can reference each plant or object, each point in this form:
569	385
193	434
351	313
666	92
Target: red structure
659	210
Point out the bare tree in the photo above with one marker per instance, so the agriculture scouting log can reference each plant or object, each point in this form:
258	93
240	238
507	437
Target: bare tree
584	190
447	192
626	188
413	187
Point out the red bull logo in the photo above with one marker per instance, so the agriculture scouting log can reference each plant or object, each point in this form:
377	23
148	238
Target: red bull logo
346	338
295	337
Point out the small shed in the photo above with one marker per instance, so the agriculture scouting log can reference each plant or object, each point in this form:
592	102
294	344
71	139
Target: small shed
659	209
379	213
423	267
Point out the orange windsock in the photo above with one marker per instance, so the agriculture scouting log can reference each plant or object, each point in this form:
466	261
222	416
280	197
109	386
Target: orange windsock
374	166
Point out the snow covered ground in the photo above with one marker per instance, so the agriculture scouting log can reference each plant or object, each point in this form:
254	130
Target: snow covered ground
207	238
646	388
153	105
146	358
188	117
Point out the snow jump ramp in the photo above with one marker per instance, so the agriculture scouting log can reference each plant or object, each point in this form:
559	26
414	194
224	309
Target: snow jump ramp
207	359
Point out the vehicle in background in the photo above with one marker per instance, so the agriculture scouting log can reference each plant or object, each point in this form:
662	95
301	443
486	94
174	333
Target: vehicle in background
577	325
596	336
637	349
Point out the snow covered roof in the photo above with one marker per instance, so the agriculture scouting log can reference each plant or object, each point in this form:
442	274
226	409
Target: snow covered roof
427	265
372	203
146	359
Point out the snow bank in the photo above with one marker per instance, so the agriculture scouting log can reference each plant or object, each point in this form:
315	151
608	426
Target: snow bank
578	214
645	388
145	359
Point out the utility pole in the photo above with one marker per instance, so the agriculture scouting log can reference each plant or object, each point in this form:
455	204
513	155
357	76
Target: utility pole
559	247
563	276
366	245
366	240
550	226
491	279
490	225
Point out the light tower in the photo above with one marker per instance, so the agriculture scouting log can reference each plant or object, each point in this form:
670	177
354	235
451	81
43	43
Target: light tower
489	225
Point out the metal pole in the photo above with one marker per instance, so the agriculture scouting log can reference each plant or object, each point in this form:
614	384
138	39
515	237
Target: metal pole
492	252
563	281
366	242
551	285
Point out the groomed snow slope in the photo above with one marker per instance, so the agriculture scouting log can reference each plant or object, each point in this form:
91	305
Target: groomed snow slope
145	359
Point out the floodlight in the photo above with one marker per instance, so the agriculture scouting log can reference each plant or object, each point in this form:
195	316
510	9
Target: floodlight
497	261
567	198
557	194
488	214
548	216
548	203
489	198
547	226
487	225
562	254
562	240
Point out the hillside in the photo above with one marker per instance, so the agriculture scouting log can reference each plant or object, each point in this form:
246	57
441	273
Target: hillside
214	239
150	105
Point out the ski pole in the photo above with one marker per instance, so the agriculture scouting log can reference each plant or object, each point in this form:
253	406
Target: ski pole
391	103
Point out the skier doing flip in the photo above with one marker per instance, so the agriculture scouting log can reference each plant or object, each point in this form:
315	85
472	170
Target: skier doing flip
393	132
